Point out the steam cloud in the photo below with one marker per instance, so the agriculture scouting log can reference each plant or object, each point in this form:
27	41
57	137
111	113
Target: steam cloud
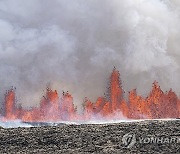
73	45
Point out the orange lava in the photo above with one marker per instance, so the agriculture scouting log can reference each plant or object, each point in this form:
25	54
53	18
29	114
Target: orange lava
55	108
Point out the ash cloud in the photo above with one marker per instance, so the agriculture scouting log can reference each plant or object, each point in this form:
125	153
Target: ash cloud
73	45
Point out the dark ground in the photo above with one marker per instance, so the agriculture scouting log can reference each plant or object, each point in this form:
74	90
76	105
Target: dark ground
90	138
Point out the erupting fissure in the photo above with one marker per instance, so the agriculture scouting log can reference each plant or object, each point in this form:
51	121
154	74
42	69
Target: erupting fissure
157	104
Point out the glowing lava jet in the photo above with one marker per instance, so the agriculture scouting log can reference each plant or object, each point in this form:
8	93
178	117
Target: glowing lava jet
54	108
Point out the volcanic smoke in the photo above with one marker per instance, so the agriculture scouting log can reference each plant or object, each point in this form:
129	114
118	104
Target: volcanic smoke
61	108
73	45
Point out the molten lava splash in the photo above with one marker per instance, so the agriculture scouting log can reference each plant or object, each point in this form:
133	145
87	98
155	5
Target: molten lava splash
10	105
54	108
116	93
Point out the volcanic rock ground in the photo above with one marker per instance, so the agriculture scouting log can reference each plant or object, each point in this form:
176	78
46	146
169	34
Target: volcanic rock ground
90	138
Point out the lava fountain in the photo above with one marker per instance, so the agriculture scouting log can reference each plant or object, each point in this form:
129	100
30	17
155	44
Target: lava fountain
56	108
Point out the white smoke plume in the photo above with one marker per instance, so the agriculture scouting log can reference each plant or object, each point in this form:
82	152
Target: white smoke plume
74	44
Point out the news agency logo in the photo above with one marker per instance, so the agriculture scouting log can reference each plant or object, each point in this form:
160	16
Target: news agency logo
130	139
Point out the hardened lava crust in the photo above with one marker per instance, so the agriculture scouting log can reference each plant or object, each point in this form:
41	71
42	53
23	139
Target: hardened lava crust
149	136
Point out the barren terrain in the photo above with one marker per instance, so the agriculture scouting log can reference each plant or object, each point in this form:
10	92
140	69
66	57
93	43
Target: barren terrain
90	138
